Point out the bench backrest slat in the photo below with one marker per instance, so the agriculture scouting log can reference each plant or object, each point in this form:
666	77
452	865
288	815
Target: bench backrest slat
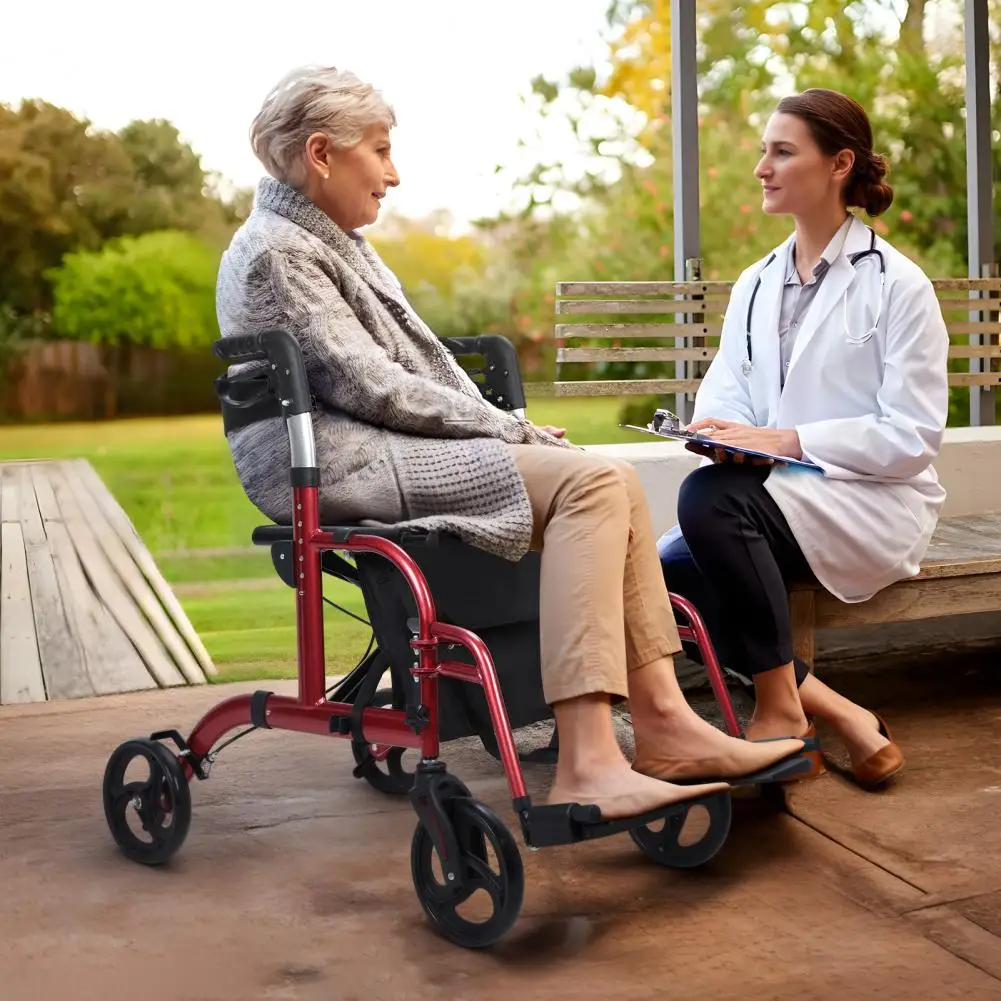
666	316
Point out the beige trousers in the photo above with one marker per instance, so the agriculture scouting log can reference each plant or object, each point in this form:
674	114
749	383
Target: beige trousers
604	608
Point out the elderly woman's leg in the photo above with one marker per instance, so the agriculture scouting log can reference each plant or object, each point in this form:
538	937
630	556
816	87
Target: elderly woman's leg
582	513
671	740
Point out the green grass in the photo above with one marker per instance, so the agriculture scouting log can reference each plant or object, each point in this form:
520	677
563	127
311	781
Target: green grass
175	479
250	632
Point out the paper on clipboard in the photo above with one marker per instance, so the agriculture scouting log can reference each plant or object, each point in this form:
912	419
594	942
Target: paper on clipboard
682	435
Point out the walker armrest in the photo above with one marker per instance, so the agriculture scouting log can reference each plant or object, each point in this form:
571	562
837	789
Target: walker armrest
501	382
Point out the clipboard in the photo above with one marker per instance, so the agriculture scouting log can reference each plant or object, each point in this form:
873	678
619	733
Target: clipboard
682	435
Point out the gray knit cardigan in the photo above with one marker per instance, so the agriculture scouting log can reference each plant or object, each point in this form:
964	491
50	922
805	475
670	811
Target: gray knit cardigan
402	433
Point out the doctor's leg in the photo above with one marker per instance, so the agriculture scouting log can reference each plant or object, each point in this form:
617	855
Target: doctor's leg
682	576
746	553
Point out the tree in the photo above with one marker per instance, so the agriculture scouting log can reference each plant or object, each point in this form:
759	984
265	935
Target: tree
170	179
156	290
459	285
62	187
66	186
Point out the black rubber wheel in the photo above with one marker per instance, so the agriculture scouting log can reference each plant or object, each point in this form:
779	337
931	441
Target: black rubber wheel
389	775
668	842
160	802
491	863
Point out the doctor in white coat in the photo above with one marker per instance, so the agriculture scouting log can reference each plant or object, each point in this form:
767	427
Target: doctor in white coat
834	351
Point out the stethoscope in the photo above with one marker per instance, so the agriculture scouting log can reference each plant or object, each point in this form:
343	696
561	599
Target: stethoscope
855	259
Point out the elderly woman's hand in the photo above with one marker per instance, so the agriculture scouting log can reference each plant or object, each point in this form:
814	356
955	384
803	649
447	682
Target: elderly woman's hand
549	429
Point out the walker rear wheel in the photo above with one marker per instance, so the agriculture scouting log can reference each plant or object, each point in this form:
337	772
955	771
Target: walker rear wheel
381	768
690	837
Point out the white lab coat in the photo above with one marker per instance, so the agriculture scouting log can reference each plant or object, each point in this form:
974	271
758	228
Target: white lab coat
871	411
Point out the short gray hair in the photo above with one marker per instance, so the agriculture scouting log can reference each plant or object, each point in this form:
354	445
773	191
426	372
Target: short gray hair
314	99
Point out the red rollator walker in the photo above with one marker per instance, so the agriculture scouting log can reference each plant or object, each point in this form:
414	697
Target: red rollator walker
458	631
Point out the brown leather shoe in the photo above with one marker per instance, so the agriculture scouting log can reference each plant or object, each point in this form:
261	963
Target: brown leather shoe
881	766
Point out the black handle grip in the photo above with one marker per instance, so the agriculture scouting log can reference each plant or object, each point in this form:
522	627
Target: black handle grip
281	350
240	348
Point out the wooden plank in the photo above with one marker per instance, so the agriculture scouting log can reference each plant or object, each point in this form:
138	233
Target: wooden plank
959	568
626	387
946	285
125	530
973	302
62	660
112	663
634	354
643	288
911	600
8	496
943	286
975	378
20	668
962	539
956	934
987	526
975	351
107	584
624	331
629	307
135	583
44	497
964	329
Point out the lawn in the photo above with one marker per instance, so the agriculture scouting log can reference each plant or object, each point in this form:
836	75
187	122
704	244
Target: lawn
175	480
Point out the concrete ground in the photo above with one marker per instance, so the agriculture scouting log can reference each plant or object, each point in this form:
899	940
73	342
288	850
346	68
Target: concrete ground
295	883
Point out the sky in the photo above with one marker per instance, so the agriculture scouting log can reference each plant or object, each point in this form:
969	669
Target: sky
456	73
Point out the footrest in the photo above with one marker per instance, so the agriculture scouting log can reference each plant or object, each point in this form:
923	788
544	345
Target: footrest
781	771
568	823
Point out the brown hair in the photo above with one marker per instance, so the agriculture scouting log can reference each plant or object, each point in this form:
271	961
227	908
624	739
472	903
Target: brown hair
836	122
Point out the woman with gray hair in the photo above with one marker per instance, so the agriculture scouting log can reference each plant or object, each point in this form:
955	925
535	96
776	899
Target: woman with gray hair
403	435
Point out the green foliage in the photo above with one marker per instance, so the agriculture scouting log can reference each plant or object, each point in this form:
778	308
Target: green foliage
18	330
157	290
887	54
66	186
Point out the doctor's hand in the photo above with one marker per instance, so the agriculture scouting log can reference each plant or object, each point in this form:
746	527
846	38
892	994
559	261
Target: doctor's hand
713	427
712	424
777	441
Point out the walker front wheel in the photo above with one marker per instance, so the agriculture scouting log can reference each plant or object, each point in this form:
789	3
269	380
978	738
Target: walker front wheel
148	806
486	903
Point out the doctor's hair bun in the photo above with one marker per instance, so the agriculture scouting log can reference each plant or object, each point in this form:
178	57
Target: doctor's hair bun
837	123
867	189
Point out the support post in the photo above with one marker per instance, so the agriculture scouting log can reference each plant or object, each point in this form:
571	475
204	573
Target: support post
979	207
685	156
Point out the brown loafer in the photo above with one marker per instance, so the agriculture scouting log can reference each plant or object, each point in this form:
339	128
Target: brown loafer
881	766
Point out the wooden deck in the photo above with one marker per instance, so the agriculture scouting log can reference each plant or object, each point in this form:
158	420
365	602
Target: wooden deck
83	608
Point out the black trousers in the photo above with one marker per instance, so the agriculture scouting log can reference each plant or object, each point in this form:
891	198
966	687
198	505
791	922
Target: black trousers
735	561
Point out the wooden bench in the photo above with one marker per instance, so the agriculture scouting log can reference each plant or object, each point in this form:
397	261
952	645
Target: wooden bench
961	574
678	324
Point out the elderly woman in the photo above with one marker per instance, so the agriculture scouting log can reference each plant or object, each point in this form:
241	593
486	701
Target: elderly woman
403	435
